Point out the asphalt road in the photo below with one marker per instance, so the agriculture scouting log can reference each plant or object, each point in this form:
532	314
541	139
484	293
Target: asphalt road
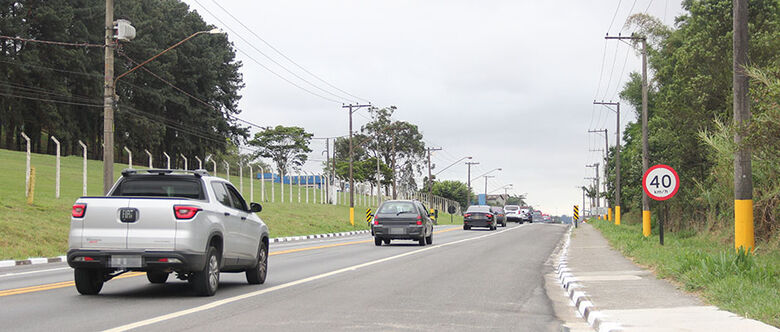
467	280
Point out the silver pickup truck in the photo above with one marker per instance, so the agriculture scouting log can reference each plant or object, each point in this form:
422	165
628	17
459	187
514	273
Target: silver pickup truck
165	221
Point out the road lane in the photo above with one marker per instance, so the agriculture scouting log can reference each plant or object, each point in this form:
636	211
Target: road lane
133	299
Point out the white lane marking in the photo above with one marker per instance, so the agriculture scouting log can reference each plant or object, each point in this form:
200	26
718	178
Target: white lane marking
31	272
215	304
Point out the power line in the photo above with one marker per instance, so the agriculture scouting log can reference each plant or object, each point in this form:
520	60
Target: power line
49	42
52	69
613	16
282	54
275	62
51	100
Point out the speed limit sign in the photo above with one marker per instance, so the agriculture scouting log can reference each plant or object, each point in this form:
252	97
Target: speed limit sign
661	182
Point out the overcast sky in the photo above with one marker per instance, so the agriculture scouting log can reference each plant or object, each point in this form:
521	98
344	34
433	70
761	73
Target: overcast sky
510	83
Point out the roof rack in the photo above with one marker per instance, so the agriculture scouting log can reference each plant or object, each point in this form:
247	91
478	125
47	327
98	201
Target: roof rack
132	171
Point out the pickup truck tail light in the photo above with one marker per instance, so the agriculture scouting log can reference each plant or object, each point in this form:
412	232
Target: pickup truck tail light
79	210
376	220
467	215
419	219
185	211
489	216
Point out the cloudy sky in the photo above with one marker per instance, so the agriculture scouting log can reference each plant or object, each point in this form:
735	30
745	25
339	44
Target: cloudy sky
510	83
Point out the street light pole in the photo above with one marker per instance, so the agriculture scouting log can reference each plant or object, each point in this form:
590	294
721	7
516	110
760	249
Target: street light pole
486	180
109	92
352	109
617	161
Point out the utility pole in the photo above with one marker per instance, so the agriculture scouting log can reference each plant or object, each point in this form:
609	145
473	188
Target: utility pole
606	167
108	100
617	161
744	232
430	177
394	170
327	162
468	176
486	192
352	109
596	165
645	146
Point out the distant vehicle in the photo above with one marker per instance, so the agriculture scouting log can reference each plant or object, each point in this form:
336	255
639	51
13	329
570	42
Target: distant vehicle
165	221
479	216
525	215
500	215
402	220
546	218
536	216
513	213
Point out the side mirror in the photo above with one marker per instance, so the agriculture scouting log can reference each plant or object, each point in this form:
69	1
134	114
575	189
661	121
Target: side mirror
255	207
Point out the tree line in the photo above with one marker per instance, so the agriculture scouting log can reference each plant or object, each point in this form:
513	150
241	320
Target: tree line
53	90
690	122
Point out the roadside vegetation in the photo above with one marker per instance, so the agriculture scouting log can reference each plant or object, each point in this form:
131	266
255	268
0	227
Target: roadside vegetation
706	263
41	229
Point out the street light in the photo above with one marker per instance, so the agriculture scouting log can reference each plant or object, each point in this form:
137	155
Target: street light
486	173
108	116
453	164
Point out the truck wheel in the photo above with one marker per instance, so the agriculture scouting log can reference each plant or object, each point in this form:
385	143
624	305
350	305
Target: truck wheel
206	281
429	239
421	241
377	241
157	277
257	274
386	241
88	281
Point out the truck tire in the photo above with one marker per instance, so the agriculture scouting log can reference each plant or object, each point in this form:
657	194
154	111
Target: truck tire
206	281
88	281
429	239
377	241
256	275
157	277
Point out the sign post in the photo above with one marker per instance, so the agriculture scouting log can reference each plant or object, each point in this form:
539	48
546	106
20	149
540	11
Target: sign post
660	183
576	215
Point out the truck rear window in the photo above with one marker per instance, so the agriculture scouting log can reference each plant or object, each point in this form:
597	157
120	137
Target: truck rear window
397	208
160	186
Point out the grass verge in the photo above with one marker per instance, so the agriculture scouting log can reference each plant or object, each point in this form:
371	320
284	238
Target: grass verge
748	285
41	229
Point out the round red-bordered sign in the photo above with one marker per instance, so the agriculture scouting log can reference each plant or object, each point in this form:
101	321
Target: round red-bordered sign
660	182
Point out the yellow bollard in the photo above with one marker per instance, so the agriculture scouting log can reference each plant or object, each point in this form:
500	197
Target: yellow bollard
743	224
352	216
617	215
609	214
31	192
646	227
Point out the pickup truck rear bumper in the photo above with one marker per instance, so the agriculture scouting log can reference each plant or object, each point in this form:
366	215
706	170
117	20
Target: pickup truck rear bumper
150	260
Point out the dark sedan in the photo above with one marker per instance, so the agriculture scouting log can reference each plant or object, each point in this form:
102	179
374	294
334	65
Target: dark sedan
479	216
402	220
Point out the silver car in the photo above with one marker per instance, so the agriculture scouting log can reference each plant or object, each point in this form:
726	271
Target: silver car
162	222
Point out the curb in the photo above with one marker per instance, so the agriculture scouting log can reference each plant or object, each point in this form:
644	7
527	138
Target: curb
579	298
60	259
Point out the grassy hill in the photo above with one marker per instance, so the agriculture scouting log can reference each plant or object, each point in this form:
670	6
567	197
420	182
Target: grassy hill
41	229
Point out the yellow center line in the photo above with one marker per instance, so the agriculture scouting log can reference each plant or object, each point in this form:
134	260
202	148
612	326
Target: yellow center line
64	284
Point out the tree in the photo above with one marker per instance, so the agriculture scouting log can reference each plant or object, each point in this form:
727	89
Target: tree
58	90
454	190
286	146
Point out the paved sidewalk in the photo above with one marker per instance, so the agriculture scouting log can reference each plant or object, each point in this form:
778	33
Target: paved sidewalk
628	298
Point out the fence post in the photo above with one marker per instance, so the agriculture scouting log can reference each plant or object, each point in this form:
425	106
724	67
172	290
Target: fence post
306	185
31	193
150	158
168	160
281	182
84	170
57	180
251	185
27	170
262	185
129	157
185	160
200	163
227	170
240	178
